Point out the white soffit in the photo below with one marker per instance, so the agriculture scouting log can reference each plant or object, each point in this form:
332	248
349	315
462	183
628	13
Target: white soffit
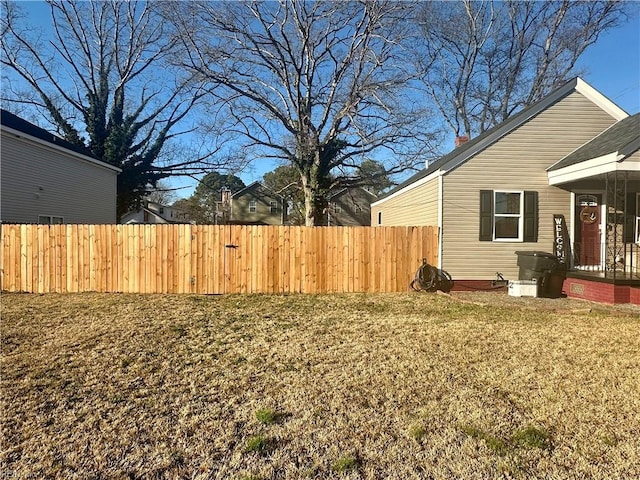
607	163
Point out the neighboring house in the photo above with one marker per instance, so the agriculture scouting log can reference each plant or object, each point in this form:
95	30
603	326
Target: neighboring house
45	179
152	212
256	204
573	153
350	207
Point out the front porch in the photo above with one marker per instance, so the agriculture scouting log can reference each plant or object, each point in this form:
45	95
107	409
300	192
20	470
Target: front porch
604	262
603	178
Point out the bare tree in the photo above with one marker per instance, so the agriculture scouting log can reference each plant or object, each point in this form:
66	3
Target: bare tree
484	60
162	193
320	85
101	79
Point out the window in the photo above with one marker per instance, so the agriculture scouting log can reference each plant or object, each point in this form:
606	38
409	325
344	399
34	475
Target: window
379	218
273	207
508	216
161	210
252	206
336	207
49	220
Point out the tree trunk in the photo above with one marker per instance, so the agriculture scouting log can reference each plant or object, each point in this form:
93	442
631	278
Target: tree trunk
314	199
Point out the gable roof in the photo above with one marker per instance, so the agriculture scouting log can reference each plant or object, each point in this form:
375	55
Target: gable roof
16	124
622	138
464	152
251	187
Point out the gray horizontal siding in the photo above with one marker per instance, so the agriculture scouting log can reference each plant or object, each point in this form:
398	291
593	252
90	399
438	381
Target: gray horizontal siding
37	180
518	161
263	214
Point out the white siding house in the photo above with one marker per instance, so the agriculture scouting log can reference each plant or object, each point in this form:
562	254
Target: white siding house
44	179
153	212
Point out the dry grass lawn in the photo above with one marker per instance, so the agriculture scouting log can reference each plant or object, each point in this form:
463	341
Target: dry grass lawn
334	386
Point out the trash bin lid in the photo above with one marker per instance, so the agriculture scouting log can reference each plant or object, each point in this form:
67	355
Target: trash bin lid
534	253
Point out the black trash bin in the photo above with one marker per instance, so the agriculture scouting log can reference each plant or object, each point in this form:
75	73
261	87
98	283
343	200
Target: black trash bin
545	268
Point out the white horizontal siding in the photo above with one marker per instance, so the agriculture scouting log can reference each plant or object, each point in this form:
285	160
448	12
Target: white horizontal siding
37	180
515	162
418	206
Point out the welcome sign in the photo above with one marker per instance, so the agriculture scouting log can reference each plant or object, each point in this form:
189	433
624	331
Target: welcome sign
561	242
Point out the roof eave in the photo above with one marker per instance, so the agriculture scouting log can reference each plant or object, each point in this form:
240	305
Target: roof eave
611	162
60	148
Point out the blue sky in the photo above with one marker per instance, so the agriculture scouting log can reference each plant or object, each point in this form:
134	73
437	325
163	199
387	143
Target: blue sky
611	66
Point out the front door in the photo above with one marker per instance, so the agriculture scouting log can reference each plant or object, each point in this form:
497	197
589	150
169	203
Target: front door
588	229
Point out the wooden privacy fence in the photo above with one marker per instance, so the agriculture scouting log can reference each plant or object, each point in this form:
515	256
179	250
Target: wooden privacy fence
212	259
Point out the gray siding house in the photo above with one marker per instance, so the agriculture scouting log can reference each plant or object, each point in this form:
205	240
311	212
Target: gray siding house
350	207
257	204
502	191
44	179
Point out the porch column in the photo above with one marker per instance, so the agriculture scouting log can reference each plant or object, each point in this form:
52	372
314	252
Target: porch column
616	198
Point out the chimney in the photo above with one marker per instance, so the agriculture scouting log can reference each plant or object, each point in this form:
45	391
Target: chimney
461	140
226	195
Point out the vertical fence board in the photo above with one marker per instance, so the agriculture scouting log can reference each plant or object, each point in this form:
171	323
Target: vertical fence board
273	259
119	260
294	260
162	260
14	239
25	253
183	261
63	255
5	245
40	260
243	248
172	267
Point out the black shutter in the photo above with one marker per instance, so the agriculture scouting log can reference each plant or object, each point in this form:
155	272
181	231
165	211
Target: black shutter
486	215
530	216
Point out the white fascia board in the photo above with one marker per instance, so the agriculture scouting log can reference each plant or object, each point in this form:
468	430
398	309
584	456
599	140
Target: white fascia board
60	148
600	100
589	168
410	187
440	219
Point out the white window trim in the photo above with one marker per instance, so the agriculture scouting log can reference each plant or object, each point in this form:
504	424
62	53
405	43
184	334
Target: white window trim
253	207
638	218
273	207
520	217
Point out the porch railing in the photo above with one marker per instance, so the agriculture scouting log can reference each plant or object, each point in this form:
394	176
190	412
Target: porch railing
623	260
